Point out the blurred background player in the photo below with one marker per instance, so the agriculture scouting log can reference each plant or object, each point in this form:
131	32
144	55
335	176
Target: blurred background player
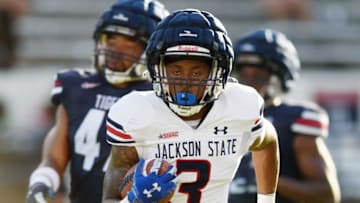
268	61
192	119
85	96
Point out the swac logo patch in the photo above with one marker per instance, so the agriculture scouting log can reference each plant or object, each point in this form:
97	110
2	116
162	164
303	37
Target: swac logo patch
218	130
168	135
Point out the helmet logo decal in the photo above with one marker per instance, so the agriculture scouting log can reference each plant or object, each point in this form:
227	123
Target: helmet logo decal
89	85
269	36
187	33
248	47
120	17
188	48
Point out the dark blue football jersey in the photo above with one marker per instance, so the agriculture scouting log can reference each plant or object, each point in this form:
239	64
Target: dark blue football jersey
87	98
289	120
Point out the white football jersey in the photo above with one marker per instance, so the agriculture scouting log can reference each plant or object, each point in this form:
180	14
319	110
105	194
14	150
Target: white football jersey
206	157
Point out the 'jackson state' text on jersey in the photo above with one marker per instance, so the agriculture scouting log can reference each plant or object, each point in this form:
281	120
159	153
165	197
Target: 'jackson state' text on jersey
206	157
87	97
289	120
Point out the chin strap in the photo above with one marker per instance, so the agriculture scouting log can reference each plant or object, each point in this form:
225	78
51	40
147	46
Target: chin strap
185	111
115	77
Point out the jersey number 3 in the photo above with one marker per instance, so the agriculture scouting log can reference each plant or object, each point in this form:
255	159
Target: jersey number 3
202	170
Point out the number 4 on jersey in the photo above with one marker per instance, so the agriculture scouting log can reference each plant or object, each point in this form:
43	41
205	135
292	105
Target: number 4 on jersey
86	143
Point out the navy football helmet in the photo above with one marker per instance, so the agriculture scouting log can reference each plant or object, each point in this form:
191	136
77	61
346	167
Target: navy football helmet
195	34
136	19
272	50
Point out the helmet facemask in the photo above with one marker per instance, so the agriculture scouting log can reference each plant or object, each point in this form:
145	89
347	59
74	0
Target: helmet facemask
274	88
268	87
135	19
111	62
187	96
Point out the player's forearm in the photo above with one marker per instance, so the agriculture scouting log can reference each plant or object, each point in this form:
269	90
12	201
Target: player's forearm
112	180
125	200
111	201
122	158
266	163
308	191
55	152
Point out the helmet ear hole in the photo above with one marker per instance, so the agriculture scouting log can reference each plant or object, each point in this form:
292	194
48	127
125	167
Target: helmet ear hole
99	57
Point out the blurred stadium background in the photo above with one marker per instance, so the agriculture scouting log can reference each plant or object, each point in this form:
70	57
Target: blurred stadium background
58	34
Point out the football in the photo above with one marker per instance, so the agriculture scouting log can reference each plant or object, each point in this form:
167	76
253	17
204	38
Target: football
126	184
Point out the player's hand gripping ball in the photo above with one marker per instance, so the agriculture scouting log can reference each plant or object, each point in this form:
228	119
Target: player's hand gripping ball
149	181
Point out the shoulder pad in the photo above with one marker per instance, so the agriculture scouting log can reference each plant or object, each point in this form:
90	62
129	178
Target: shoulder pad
68	78
244	99
312	120
130	113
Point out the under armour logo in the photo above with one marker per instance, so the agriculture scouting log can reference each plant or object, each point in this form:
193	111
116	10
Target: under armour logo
156	187
187	33
217	130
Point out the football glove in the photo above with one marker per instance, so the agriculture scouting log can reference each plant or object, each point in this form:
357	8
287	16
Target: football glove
152	187
39	193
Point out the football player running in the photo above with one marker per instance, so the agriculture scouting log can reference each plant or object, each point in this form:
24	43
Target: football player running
268	61
193	118
83	98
